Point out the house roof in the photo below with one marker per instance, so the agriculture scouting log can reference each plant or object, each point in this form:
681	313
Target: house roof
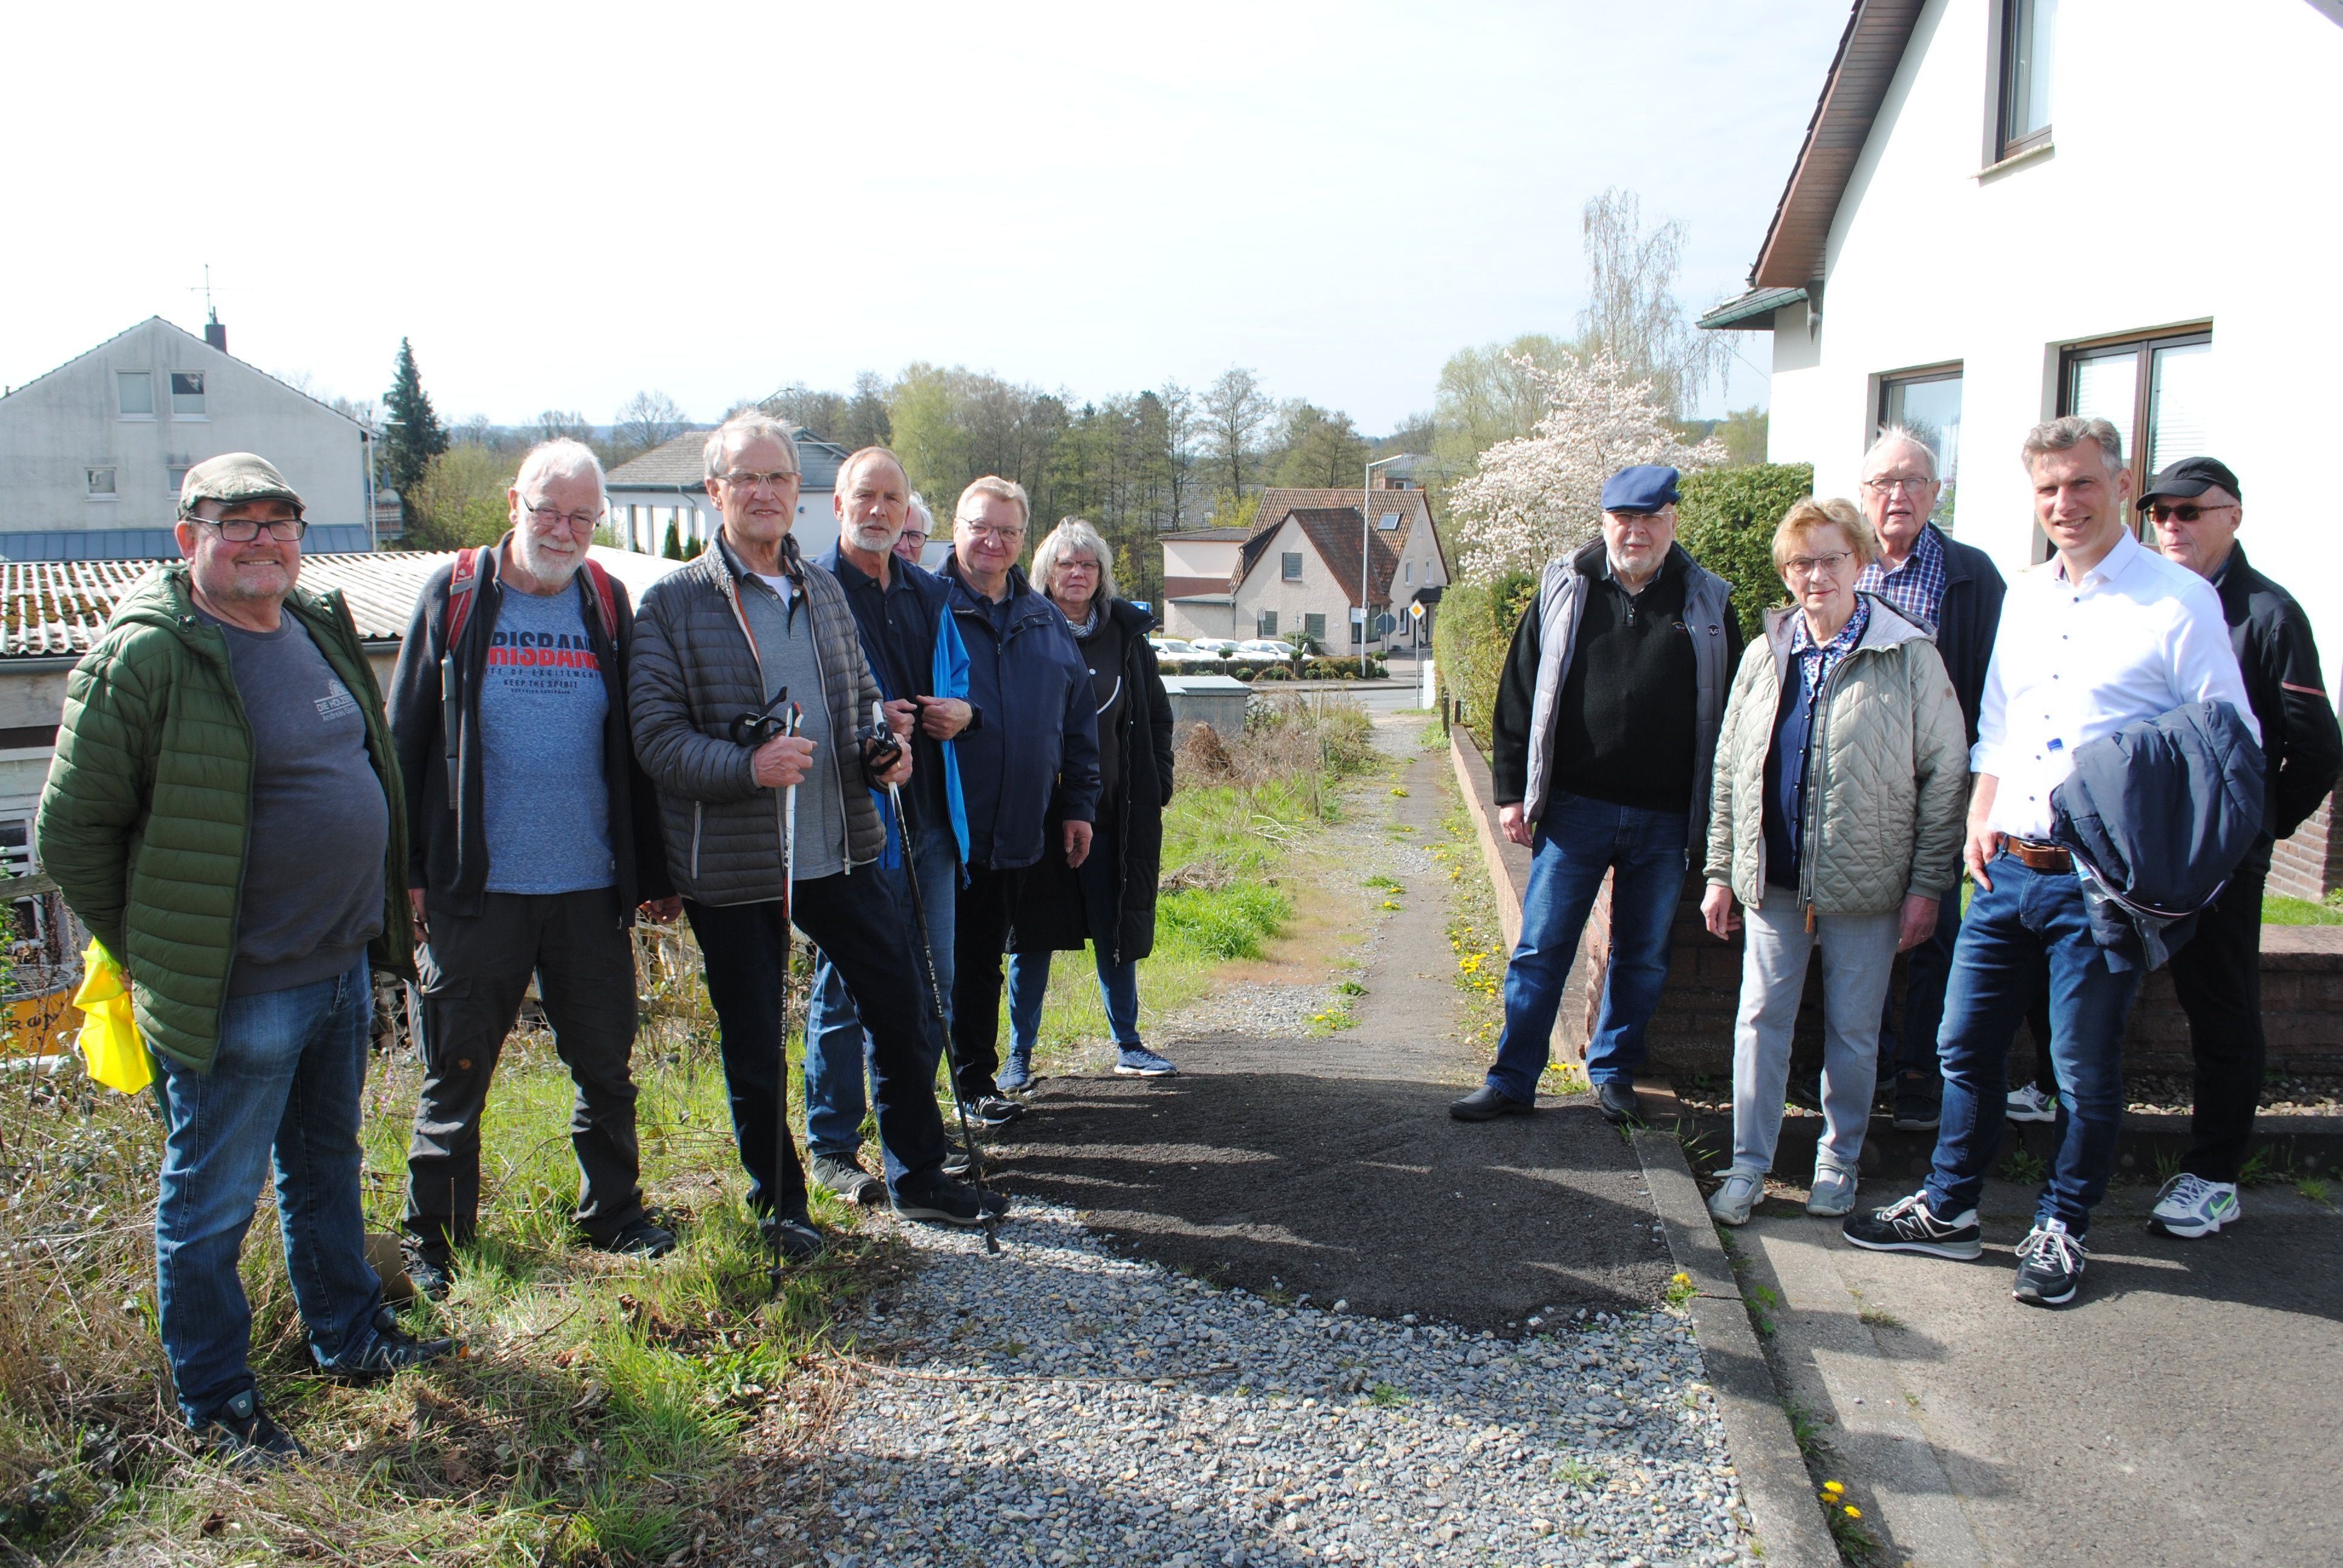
1209	536
1749	306
175	327
1334	530
1868	54
682	464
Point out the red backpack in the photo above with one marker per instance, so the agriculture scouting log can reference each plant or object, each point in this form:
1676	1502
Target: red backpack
470	564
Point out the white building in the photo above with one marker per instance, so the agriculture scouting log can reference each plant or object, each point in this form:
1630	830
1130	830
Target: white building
92	454
2008	210
1297	570
667	485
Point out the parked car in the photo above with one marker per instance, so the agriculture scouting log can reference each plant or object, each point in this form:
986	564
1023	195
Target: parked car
1265	649
1210	647
1172	648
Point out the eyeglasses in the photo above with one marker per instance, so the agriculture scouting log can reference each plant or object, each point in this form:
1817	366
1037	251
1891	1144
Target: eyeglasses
1817	566
244	530
749	479
998	535
1892	483
554	518
2187	513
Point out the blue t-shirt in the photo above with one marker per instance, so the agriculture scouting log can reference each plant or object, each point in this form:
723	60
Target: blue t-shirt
542	707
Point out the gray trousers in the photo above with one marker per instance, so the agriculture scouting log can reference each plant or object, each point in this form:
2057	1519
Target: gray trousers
1858	952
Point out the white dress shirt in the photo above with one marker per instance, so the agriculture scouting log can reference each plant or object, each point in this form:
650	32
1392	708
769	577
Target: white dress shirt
2136	638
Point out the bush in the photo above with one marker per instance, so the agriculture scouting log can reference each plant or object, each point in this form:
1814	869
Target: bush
1471	638
1275	673
1725	520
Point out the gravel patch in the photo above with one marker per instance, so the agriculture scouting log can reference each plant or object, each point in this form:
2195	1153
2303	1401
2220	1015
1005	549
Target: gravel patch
1252	1006
1062	1405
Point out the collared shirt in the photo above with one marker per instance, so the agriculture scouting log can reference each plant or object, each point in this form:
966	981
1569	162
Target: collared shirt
1918	587
1815	661
2136	638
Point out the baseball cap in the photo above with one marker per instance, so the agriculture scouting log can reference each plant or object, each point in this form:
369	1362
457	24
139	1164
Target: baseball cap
234	476
2190	476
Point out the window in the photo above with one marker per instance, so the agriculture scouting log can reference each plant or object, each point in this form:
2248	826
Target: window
178	476
188	393
1290	565
1314	626
134	391
2156	391
101	483
2028	30
1387	522
1410	571
1265	624
16	846
1927	404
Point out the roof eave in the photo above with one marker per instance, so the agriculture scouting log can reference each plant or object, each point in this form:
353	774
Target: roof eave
1733	314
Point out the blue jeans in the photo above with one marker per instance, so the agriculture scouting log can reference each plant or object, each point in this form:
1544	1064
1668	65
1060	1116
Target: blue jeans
1913	1047
288	1079
2026	922
837	1046
1577	841
1029	985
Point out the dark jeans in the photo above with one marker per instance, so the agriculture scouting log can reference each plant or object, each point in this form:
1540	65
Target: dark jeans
2219	975
475	972
288	1082
1911	1047
988	904
744	950
1578	841
2025	920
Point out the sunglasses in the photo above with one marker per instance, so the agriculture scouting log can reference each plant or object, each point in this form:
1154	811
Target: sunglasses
2186	513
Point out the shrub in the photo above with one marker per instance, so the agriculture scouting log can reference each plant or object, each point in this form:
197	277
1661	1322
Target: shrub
1725	520
1472	636
1275	673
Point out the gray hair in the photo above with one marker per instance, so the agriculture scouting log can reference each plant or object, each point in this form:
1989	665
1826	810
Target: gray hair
742	428
2069	431
1005	490
918	508
1073	536
559	458
1896	436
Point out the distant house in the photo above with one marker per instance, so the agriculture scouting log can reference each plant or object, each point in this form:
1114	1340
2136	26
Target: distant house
667	484
92	453
1297	571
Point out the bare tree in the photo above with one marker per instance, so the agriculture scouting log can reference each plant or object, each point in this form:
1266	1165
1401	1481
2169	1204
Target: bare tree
1179	446
1235	408
553	424
822	413
648	419
1632	313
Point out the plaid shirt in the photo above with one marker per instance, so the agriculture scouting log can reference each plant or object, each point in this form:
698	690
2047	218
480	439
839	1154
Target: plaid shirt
1815	663
1916	588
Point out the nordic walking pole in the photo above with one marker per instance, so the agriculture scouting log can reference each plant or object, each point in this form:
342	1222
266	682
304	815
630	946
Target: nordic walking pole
791	716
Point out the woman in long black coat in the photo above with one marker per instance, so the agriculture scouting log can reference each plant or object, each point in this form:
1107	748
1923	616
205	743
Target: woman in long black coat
1110	900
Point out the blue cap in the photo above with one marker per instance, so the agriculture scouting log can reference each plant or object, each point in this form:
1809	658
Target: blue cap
1646	487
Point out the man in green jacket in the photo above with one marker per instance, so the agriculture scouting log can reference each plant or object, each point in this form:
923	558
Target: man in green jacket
224	813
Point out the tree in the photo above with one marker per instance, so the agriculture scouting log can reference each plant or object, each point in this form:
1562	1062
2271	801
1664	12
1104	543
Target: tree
1322	450
673	550
461	499
863	422
1632	312
1535	496
796	404
414	436
1235	408
1744	435
564	424
1178	449
1488	395
648	419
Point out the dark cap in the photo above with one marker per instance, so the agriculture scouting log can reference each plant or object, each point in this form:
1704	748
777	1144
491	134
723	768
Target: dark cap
233	477
1646	487
2190	476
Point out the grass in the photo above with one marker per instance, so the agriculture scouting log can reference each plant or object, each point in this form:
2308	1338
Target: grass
2278	909
2316	1190
1805	1431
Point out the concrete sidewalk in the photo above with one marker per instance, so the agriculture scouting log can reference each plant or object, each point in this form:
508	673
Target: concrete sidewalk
2183	1411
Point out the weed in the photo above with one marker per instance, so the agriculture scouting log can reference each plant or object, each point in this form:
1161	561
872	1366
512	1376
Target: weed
2314	1188
1761	1302
2167	1166
1844	1520
1385	1396
1681	1289
1389	884
2023	1168
1805	1431
1879	1317
1577	1472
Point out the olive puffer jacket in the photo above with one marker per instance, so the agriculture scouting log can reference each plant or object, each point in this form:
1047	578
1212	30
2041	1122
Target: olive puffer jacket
1887	791
147	813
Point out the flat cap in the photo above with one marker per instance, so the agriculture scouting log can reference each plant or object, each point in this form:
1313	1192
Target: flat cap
1646	487
234	476
2189	477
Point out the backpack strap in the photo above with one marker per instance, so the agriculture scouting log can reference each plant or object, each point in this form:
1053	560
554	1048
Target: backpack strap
603	598
461	583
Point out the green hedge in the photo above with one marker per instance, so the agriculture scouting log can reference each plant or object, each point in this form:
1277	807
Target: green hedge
1725	517
1470	638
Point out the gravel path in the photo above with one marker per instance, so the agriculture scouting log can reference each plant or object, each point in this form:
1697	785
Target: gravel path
1046	1408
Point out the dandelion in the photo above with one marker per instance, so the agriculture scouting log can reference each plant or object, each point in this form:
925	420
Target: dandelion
1834	1488
1389	905
1852	1512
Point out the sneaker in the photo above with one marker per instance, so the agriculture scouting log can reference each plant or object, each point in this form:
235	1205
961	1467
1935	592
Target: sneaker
1616	1099
793	1237
1833	1193
1919	1103
640	1237
1137	1061
1743	1190
2191	1206
430	1266
391	1349
1908	1227
844	1175
244	1435
1487	1103
992	1110
2049	1265
1015	1074
2030	1104
941	1199
957	1161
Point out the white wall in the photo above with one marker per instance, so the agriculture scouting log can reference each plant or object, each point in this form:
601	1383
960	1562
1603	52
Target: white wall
2221	116
641	516
1201	557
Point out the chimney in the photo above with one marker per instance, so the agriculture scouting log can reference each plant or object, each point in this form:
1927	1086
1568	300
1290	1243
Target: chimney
214	334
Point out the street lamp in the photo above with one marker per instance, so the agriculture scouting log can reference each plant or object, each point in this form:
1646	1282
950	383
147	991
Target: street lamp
1366	558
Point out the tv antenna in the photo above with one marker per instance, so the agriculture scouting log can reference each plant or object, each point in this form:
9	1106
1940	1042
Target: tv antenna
211	311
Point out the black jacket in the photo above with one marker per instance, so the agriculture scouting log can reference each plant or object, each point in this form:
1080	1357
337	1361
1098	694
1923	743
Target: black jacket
1051	914
448	848
2300	741
1967	623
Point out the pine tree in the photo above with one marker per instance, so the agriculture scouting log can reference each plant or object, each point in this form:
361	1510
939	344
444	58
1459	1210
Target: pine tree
415	435
674	550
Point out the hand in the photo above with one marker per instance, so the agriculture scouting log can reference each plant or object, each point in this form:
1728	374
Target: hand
1078	843
1716	913
902	714
942	718
1983	846
782	762
662	910
1515	822
1919	921
899	773
415	901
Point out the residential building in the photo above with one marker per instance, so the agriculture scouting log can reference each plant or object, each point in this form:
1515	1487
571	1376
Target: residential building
2008	210
1297	571
666	485
92	453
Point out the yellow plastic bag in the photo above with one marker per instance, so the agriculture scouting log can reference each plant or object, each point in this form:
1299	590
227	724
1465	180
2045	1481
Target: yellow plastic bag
110	1046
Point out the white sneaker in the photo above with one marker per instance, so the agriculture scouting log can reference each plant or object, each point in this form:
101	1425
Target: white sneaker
1833	1193
2030	1104
1743	1190
2191	1206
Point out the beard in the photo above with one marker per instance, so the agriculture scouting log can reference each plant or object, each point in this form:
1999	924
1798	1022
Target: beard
543	562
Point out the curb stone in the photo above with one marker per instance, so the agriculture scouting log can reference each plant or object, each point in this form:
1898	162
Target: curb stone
1785	1517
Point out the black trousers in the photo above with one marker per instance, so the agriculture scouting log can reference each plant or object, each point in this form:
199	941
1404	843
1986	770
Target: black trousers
474	974
744	950
988	904
2218	977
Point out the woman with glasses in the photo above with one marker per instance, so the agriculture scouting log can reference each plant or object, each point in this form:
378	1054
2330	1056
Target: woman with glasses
1842	771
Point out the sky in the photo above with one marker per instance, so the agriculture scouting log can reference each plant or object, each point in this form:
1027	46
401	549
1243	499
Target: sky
562	206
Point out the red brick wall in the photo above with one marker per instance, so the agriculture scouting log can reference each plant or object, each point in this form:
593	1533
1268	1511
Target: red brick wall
2309	865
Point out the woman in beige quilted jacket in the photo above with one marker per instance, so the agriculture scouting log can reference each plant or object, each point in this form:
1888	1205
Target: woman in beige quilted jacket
1842	777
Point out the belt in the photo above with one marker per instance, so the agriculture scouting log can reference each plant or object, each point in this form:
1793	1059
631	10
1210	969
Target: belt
2036	857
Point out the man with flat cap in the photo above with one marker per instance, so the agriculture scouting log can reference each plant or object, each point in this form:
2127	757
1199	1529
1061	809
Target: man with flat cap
1605	731
2197	508
224	812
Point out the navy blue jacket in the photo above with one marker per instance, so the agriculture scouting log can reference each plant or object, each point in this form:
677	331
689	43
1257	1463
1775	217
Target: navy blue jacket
1033	751
1968	622
900	624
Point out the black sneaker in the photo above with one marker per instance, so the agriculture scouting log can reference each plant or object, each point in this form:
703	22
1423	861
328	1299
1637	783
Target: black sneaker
2049	1265
392	1350
957	1159
940	1198
430	1266
1618	1102
1487	1103
793	1237
244	1435
844	1175
994	1110
640	1237
1908	1227
1919	1102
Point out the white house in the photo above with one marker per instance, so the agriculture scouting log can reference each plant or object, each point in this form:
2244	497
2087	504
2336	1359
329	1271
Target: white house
2008	210
1297	570
665	485
92	453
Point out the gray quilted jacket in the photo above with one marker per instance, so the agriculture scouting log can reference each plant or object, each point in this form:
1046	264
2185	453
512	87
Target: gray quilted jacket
1887	793
694	670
